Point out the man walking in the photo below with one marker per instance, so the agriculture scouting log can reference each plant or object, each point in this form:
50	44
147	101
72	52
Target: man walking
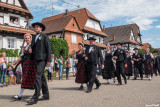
121	62
41	50
93	54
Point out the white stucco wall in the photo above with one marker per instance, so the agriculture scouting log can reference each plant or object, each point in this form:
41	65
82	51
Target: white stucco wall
93	24
4	42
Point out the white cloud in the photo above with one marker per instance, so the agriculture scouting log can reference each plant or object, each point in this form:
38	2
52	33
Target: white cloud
142	12
158	26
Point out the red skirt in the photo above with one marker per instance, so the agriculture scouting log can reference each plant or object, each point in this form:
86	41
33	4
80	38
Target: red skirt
81	73
28	74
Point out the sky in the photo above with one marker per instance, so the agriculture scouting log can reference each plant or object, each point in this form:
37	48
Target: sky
145	13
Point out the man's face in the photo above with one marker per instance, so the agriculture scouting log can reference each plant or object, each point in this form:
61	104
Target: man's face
38	29
136	51
91	42
119	46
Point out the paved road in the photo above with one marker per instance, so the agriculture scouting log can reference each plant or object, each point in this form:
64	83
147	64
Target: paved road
64	93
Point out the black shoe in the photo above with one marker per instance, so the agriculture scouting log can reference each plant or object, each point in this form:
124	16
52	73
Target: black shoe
142	78
125	81
88	91
43	98
16	97
32	101
135	79
81	87
97	87
119	83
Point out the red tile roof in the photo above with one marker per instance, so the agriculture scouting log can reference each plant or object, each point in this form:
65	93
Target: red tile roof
81	16
23	9
11	29
145	45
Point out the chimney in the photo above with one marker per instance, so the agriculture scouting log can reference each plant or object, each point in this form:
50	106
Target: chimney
114	38
103	29
66	11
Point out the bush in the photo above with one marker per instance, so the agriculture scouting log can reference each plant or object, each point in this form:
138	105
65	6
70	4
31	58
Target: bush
59	47
10	52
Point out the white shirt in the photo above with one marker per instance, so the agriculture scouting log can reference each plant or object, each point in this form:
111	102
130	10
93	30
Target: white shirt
150	55
90	49
4	64
37	37
26	48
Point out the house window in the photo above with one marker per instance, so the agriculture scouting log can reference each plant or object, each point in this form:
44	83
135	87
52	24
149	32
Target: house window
11	43
14	20
74	38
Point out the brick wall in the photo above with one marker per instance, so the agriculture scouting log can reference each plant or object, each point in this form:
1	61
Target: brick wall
70	44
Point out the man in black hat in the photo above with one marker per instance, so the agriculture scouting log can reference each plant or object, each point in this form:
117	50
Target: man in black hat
41	51
156	64
93	54
138	64
121	62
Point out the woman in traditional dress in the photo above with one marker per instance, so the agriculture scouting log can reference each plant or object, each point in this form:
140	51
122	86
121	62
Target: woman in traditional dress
81	69
28	68
148	64
109	69
128	71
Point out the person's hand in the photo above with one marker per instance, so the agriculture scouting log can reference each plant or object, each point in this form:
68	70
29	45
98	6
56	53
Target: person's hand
137	59
125	65
102	66
49	63
30	50
115	57
86	58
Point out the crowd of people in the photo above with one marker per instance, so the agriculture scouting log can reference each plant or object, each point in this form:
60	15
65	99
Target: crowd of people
36	58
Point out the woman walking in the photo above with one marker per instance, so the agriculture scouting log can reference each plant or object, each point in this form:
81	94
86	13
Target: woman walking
28	68
128	71
81	76
148	64
109	69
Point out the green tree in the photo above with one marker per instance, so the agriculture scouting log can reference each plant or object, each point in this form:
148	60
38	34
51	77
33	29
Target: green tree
59	47
10	52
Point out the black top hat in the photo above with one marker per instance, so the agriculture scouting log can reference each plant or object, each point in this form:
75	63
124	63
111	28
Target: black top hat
91	38
136	49
155	51
119	43
40	24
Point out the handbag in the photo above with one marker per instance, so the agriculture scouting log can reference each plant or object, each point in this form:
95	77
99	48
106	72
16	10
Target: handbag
69	65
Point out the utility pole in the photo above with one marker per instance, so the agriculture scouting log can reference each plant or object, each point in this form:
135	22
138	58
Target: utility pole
52	8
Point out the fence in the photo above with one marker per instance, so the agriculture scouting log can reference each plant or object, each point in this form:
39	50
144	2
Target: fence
11	59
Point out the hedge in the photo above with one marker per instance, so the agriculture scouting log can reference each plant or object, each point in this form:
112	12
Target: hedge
59	47
10	52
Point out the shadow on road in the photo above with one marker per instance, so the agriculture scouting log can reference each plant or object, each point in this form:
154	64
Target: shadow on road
9	97
64	88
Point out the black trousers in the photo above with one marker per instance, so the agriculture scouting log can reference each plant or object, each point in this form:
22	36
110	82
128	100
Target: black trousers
136	69
156	68
40	80
120	71
91	75
49	75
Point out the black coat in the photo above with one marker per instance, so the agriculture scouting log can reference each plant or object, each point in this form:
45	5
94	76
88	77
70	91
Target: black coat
42	48
138	56
121	54
94	55
156	62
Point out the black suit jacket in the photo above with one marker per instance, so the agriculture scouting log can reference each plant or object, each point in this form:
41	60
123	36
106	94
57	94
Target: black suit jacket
138	56
156	61
41	49
94	55
121	54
